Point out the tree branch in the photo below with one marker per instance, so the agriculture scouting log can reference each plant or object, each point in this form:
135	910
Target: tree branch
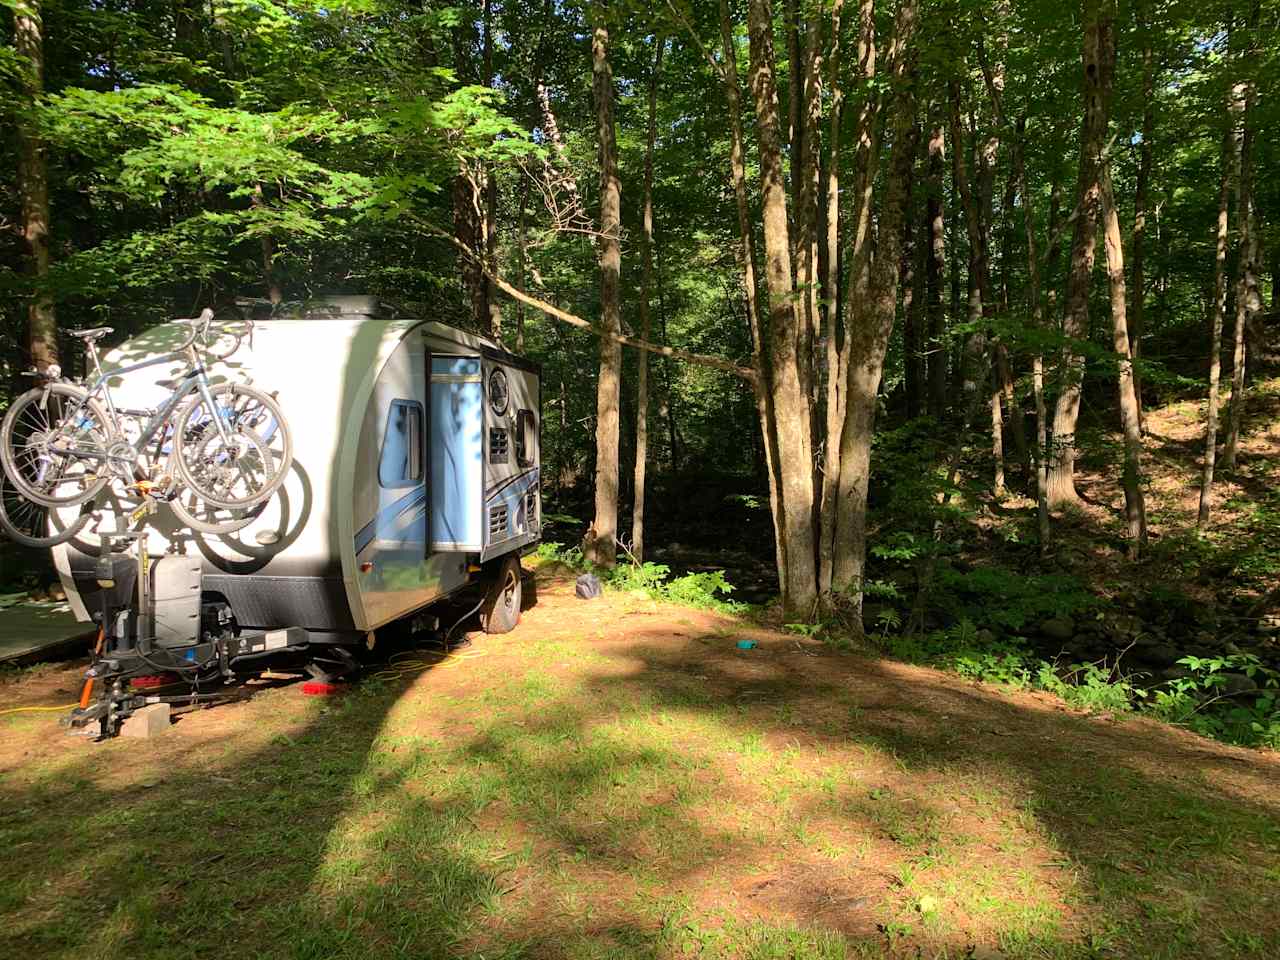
728	366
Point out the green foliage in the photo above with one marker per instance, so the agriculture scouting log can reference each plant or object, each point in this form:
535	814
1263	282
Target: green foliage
1010	599
1095	687
1203	701
707	590
645	577
549	551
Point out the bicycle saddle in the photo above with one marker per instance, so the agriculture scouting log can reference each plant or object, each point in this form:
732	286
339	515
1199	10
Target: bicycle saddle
92	333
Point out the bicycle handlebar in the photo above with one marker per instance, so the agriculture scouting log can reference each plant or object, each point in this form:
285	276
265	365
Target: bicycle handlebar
199	326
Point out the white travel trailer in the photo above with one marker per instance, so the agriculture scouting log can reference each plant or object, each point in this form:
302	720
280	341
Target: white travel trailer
415	474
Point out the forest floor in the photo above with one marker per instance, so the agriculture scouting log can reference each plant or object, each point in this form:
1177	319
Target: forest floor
617	778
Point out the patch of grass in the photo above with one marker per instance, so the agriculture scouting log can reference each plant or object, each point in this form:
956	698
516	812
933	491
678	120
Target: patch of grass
547	805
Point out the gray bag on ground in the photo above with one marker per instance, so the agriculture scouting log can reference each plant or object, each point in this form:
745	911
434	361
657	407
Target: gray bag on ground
588	587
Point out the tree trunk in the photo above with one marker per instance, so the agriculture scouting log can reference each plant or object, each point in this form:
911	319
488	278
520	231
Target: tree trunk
1138	314
1098	70
806	171
469	198
848	546
1230	155
869	340
912	303
837	350
33	185
1134	507
975	350
935	267
1040	460
791	402
1247	298
600	546
522	257
492	322
728	69
646	287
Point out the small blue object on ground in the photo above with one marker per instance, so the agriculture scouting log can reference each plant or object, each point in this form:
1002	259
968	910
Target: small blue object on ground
588	587
746	644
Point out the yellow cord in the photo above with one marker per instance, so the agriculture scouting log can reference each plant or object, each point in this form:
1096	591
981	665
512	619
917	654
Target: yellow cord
411	662
37	709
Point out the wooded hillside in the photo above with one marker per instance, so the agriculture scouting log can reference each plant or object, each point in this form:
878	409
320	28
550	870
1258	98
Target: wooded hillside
930	252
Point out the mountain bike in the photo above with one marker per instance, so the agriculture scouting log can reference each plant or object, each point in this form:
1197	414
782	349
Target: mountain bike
229	445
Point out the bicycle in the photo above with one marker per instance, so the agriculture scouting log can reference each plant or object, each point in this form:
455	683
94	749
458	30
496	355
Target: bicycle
61	443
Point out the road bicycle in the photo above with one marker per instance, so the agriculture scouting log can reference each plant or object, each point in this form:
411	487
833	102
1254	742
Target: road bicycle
228	445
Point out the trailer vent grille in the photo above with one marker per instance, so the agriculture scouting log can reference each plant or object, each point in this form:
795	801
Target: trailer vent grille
498	445
497	523
531	507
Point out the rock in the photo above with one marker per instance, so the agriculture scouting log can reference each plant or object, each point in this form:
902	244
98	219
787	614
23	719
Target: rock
1171	673
1059	628
1124	626
1159	655
1269	624
1204	615
147	722
986	637
1236	685
1231	650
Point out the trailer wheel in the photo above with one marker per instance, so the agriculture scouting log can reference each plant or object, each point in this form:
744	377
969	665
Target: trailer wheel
500	611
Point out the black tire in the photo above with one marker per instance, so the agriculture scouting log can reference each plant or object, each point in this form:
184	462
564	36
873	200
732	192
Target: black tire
500	612
40	410
254	412
27	523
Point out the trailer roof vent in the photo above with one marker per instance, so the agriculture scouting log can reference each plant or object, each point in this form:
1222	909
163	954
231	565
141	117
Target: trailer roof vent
337	307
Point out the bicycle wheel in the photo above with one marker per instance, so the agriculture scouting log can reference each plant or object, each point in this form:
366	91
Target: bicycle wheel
195	513
28	523
247	467
53	444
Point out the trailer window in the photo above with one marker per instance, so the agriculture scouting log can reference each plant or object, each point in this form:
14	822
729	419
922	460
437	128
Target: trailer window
401	462
526	432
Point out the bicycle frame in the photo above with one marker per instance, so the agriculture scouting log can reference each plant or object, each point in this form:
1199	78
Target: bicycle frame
195	379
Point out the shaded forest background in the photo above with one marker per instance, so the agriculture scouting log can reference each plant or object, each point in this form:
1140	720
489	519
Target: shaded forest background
439	155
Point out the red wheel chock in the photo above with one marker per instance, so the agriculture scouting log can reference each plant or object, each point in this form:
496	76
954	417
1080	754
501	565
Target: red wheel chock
318	688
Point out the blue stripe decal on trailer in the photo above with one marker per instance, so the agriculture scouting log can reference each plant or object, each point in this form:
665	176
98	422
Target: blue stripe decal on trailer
389	513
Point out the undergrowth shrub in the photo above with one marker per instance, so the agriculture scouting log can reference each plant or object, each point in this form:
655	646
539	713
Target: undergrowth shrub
1010	599
708	590
1203	701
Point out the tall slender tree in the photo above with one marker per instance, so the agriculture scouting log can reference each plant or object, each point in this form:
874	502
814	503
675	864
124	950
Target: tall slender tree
646	290
1230	155
793	424
33	184
600	546
1142	199
1134	503
1098	75
1247	298
869	340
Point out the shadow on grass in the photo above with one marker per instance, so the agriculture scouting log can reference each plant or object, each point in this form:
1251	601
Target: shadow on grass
658	798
